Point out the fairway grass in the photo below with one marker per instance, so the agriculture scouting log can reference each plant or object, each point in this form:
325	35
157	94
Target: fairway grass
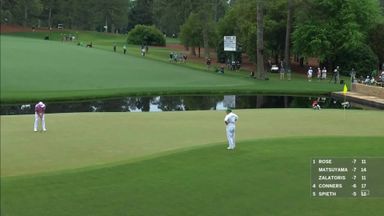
33	70
176	163
261	177
81	140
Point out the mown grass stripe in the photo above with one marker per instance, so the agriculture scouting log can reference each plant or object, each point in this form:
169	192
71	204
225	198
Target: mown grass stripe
263	177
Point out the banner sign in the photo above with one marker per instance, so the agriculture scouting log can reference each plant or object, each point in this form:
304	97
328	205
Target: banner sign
229	43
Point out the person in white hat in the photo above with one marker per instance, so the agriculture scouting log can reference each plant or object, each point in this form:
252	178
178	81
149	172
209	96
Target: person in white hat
309	74
230	122
40	114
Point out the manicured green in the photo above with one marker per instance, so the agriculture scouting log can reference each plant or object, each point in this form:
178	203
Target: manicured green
34	69
89	139
262	177
176	163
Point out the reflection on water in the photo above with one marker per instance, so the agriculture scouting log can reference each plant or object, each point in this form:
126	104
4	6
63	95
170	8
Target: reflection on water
173	103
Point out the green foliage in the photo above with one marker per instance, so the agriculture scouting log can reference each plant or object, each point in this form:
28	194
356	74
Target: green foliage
112	13
200	27
66	13
140	12
148	35
169	15
83	16
190	31
166	13
227	26
327	28
275	27
361	58
240	20
376	38
26	12
6	15
382	5
311	40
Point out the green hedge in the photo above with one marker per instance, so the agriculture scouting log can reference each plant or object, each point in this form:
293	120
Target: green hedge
146	35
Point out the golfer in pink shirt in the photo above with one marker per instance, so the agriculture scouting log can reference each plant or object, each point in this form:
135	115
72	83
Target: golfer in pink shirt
40	114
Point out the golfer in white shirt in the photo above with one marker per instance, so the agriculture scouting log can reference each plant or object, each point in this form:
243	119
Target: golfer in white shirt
230	122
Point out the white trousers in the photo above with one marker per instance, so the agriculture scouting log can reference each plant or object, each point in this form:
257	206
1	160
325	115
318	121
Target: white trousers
37	122
231	136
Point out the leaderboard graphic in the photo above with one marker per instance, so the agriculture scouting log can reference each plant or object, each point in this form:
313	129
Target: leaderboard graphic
347	177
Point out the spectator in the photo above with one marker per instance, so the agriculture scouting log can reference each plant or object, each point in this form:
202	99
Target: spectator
181	57
324	73
233	65
228	64
309	74
336	75
315	105
372	81
208	62
282	69
175	57
353	75
221	71
142	50
367	80
238	65
125	49
288	71
361	79
382	78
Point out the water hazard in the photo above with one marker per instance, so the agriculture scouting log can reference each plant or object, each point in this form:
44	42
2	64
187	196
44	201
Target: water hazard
174	103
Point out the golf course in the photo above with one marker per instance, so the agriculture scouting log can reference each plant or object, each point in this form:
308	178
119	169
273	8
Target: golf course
165	163
176	163
34	69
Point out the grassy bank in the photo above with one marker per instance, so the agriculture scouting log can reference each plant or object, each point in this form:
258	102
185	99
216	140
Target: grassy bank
34	69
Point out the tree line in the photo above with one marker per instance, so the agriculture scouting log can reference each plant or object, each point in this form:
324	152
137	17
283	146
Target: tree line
337	32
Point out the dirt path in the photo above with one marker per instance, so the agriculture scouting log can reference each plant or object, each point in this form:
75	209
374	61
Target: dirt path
11	28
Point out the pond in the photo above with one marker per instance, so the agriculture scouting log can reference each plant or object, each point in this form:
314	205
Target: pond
175	103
